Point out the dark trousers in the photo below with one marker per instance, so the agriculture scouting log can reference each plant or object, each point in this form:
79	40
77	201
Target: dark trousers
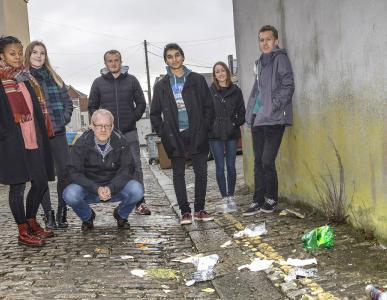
199	164
38	187
60	154
266	143
222	150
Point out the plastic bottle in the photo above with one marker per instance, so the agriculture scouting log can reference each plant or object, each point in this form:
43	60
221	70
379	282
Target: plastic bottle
376	293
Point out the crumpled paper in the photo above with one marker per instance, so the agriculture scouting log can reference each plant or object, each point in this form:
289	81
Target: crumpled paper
252	230
257	265
300	262
300	273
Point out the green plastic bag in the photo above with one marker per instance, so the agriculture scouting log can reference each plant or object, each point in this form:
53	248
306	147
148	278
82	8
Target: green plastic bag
319	237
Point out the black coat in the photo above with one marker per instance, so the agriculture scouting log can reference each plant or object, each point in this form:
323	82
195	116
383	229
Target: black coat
229	113
164	117
14	165
122	96
88	169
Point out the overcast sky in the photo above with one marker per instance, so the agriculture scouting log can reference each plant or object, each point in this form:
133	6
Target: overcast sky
78	32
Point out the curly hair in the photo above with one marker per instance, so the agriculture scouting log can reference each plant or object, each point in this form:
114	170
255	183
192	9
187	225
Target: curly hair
7	40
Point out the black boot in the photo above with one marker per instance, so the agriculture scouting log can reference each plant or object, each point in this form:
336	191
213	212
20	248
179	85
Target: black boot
61	217
49	220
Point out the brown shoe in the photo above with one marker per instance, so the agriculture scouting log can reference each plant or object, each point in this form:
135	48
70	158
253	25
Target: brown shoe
25	238
121	223
143	209
186	218
38	230
203	216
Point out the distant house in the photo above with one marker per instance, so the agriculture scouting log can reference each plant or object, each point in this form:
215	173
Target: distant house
80	118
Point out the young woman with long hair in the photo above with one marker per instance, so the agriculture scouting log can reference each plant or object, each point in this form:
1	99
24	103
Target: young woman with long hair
60	107
229	116
24	147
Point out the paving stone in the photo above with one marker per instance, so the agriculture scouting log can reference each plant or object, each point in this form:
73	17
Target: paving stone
246	285
209	240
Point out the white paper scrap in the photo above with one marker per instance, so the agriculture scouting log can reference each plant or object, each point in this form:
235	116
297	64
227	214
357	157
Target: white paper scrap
301	262
126	257
258	265
190	282
228	243
138	272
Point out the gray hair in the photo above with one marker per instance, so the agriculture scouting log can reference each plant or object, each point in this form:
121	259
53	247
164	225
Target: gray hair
103	112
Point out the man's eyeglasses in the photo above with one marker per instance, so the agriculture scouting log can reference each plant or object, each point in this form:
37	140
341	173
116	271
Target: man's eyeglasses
100	127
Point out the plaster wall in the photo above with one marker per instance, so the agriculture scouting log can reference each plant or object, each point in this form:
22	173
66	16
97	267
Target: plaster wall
336	48
14	20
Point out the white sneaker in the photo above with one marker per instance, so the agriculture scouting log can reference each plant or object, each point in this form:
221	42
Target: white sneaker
230	203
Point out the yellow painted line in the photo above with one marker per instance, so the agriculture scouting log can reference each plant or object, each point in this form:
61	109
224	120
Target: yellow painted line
266	251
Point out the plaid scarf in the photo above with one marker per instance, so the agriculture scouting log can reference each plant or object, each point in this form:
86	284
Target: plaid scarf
10	77
54	97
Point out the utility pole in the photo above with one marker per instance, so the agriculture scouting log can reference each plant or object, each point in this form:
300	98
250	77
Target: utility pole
147	72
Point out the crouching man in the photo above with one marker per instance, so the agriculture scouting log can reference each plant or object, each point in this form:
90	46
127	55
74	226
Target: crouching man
99	170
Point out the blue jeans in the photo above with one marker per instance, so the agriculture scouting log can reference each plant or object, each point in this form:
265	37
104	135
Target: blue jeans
221	150
79	199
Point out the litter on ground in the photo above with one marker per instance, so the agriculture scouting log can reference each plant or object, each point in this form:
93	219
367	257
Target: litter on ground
228	243
301	262
126	257
297	273
252	230
287	211
257	265
204	267
138	272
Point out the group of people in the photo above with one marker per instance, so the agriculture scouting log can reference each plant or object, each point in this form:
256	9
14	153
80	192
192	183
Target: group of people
104	164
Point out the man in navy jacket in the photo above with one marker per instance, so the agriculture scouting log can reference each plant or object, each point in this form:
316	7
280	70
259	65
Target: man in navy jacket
99	169
120	92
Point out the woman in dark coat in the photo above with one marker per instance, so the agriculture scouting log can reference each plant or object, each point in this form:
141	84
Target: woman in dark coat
24	150
60	108
229	116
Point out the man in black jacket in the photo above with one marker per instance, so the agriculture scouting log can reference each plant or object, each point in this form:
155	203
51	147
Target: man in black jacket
181	114
99	170
121	94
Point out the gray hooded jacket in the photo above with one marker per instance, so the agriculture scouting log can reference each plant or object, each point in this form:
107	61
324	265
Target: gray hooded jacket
275	85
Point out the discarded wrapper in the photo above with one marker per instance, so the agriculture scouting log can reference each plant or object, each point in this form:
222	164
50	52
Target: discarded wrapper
319	237
301	262
204	267
252	230
297	273
257	265
138	272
